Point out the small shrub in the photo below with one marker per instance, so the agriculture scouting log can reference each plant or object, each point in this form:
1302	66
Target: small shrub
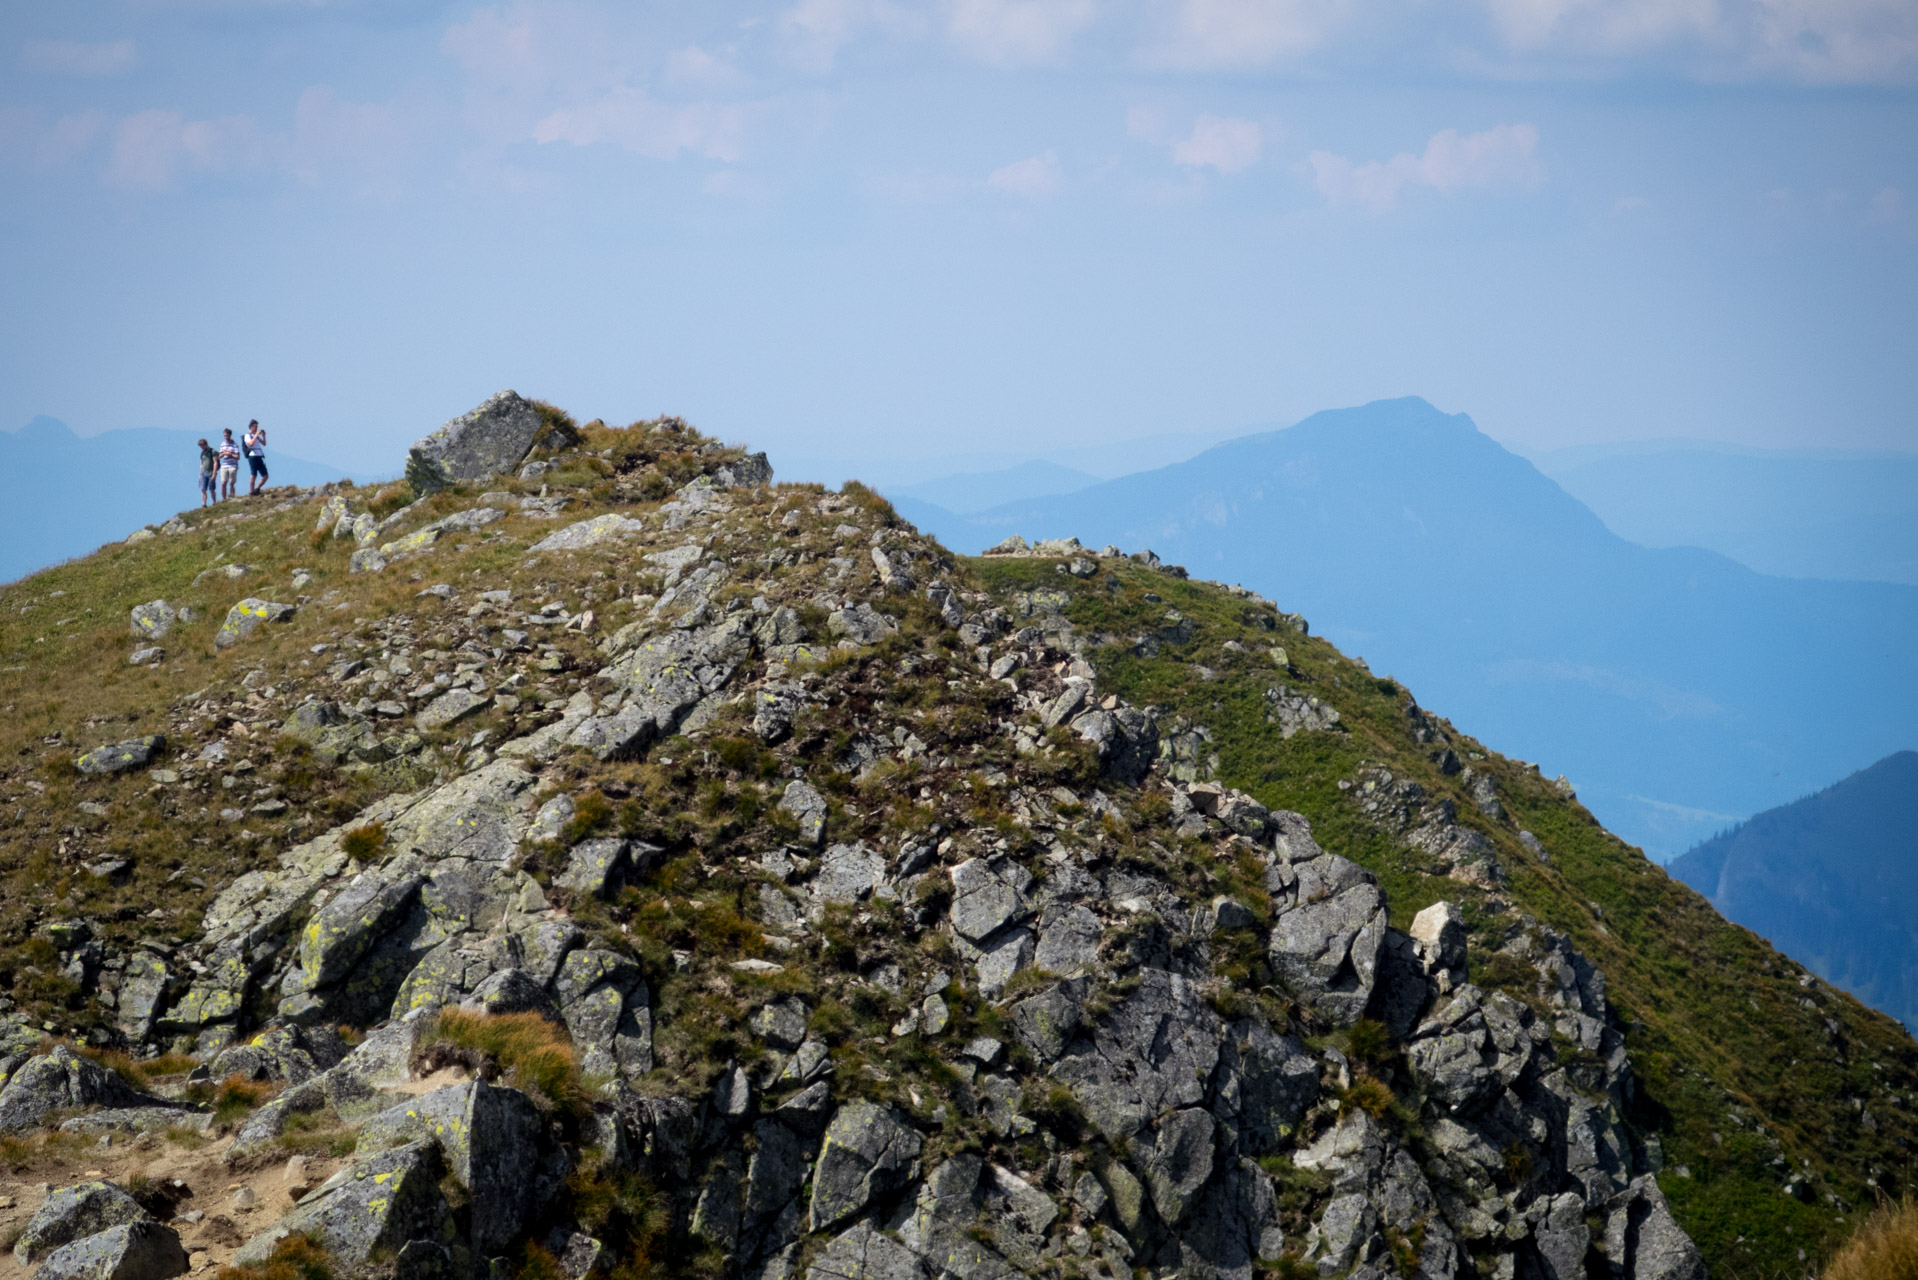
364	842
592	813
232	1098
532	1054
1370	1095
1369	1042
294	1258
1885	1246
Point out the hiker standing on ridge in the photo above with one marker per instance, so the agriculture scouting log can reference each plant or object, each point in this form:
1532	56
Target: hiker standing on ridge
255	458
229	465
209	467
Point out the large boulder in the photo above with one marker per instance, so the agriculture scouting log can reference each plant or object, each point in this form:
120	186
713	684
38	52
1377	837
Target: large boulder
246	617
377	1205
73	1213
118	757
347	927
332	733
154	619
1330	926
1642	1239
293	1054
59	1080
489	441
1179	1163
133	1251
1151	1053
494	1141
590	533
868	1153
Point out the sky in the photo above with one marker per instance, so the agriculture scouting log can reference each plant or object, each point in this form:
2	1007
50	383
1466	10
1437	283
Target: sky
900	237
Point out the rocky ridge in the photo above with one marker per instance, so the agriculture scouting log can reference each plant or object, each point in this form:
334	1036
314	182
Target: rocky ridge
888	937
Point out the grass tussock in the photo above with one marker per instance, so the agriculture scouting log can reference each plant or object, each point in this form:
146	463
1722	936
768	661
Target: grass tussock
232	1099
1884	1248
524	1049
295	1258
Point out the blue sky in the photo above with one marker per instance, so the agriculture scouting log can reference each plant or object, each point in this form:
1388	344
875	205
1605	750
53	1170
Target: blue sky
893	237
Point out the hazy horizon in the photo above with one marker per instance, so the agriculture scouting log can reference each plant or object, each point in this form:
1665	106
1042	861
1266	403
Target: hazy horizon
896	230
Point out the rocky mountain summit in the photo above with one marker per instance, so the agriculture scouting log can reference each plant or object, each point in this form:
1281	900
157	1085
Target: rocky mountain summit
594	857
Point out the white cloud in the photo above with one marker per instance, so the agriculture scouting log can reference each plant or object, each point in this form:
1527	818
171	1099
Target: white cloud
816	30
1838	41
695	66
1226	143
919	186
153	149
76	58
1202	35
1814	41
1035	177
1600	27
363	143
629	119
1500	156
1016	32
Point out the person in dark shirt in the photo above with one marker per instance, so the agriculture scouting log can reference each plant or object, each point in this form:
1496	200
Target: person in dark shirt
209	468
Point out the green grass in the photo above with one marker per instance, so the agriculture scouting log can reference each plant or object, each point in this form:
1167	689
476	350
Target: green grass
1713	1015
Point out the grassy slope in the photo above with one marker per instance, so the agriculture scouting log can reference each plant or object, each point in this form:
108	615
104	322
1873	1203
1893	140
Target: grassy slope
1742	1078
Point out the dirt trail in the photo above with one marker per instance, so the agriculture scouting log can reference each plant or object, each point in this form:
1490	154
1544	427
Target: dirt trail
210	1238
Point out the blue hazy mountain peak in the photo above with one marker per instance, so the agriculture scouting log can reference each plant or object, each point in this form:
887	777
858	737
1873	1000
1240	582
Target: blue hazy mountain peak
42	429
1677	688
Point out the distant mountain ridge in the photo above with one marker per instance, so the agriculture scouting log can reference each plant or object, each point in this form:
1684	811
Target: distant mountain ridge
63	495
1796	513
1678	689
1830	879
980	490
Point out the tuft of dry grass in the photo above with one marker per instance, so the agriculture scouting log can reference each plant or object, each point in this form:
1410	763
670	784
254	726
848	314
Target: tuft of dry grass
529	1052
232	1099
295	1258
1885	1246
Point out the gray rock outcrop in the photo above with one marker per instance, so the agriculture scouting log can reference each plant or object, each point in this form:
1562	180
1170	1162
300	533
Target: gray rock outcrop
71	1213
118	757
489	441
143	1250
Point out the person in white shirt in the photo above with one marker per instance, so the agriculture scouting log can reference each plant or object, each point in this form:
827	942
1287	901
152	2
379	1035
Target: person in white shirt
255	457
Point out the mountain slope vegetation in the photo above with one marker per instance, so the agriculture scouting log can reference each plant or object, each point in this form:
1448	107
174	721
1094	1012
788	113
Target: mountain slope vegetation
1830	879
884	911
1650	677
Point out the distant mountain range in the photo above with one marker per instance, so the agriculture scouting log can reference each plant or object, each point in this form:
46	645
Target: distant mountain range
63	495
1831	880
979	490
1798	513
1678	689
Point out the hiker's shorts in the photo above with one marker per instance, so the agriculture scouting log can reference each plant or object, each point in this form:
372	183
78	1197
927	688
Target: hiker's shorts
257	464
